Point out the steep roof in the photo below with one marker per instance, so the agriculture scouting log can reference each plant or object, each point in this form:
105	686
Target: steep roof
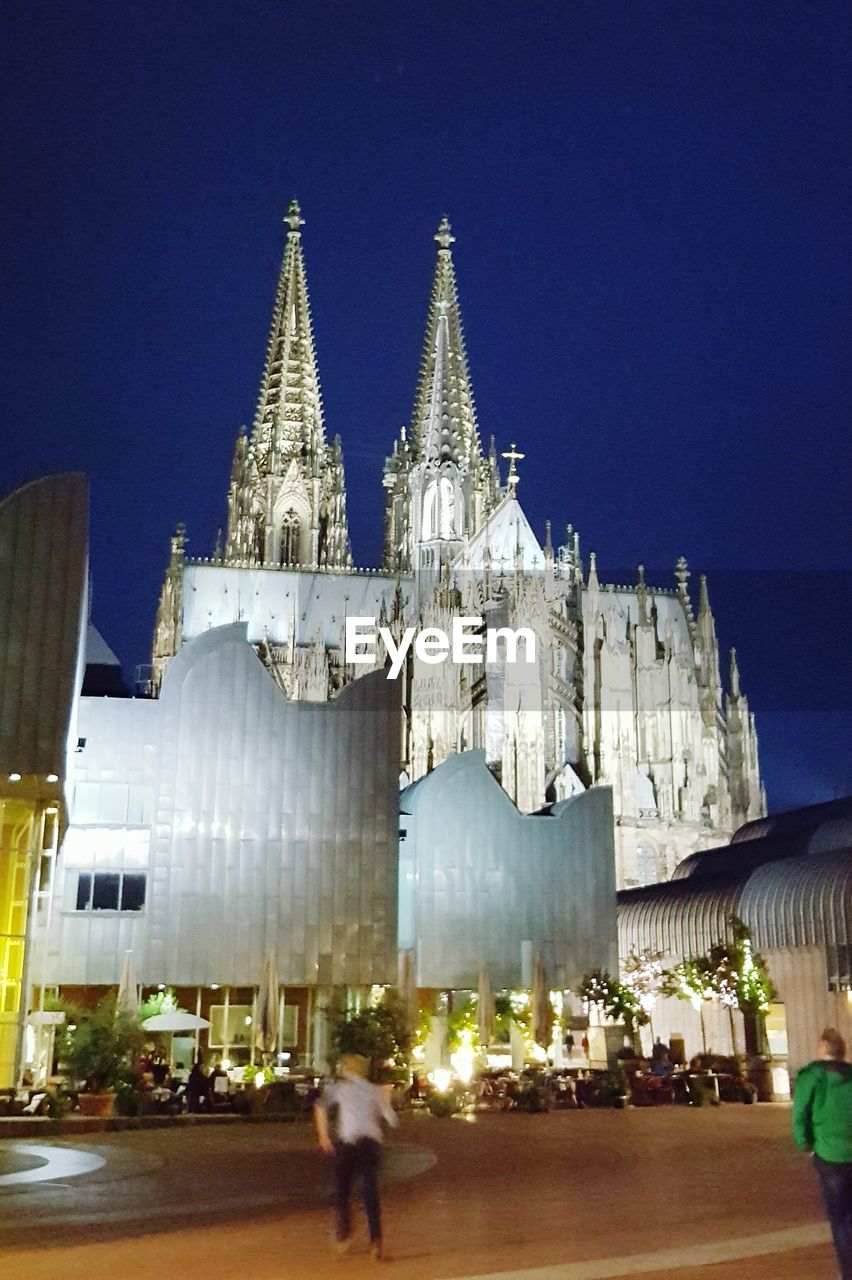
506	531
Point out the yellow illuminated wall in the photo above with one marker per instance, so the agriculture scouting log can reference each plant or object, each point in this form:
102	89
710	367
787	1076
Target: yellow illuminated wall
19	823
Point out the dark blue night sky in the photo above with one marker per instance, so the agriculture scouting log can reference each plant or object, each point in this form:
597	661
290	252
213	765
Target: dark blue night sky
652	209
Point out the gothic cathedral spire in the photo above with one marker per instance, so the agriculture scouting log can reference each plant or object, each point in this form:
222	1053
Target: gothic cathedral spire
287	502
440	487
443	423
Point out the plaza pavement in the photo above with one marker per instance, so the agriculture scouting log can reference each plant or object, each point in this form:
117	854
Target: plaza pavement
567	1196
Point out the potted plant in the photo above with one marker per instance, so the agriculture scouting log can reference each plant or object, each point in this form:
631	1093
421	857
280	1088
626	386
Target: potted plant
612	1088
99	1046
378	1032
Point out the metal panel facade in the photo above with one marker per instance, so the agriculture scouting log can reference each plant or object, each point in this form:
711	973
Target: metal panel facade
43	558
271	824
480	879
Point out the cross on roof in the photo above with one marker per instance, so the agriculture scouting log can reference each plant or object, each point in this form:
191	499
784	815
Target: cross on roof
294	218
512	457
444	235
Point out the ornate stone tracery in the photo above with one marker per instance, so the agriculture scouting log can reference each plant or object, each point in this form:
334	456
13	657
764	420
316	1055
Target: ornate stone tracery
626	690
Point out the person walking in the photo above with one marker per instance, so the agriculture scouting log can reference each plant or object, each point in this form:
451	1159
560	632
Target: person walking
357	1148
197	1089
822	1124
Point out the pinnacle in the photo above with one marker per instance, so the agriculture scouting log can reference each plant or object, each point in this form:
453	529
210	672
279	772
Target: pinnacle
703	598
443	386
294	219
736	691
444	236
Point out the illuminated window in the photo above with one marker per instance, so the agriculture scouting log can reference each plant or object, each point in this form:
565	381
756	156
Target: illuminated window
290	532
228	1025
647	870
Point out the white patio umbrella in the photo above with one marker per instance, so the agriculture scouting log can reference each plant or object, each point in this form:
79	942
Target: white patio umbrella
266	1012
485	1007
175	1022
540	1009
128	988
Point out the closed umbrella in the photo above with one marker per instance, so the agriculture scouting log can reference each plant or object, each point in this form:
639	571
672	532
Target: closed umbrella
485	1007
266	1014
128	990
540	1010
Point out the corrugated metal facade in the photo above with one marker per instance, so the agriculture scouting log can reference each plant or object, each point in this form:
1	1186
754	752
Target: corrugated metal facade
798	909
484	879
43	559
260	823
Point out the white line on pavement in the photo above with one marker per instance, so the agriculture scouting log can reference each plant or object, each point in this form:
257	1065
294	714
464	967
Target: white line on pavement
59	1162
699	1255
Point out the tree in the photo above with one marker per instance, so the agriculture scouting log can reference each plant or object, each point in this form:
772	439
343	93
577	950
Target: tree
164	1001
99	1046
645	976
739	980
734	976
615	999
379	1032
691	980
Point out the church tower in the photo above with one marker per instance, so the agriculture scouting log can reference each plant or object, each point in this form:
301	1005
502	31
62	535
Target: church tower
287	499
439	486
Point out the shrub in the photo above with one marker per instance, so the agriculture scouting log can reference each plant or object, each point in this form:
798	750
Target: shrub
444	1104
379	1033
99	1046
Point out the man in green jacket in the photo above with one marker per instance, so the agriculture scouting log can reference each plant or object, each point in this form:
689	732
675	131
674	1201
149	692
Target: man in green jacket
822	1123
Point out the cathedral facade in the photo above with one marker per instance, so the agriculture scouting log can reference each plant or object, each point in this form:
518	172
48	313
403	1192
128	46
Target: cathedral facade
626	689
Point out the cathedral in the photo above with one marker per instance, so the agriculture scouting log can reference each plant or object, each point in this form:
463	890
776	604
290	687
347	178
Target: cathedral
626	689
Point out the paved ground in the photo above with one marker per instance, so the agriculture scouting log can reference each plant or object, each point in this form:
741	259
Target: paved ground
569	1196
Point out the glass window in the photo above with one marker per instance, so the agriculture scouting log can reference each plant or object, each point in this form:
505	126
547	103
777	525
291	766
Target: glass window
132	892
290	1026
290	535
110	891
84	891
105	891
646	864
235	1029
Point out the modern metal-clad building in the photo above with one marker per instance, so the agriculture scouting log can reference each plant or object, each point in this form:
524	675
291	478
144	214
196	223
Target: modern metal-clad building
789	879
482	884
223	820
43	579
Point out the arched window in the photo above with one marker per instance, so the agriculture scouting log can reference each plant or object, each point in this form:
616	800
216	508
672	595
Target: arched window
291	528
439	510
647	867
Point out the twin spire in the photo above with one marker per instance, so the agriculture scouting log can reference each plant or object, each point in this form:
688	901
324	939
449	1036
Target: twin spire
289	418
443	422
287	501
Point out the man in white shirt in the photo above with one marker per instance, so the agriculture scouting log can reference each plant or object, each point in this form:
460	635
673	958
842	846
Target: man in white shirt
357	1149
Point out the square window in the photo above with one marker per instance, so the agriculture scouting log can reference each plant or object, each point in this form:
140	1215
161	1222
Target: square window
132	892
105	891
84	891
